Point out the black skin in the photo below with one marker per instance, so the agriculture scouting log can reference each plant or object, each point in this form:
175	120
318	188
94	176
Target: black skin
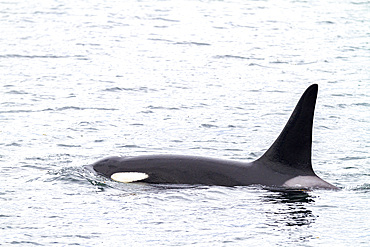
181	169
288	158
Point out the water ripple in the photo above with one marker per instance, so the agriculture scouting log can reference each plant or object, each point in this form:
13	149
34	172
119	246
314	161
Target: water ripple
237	57
40	56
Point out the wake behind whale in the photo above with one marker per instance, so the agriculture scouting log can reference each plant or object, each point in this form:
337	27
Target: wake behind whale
287	163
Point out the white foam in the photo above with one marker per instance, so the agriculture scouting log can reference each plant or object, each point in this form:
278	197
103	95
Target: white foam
128	177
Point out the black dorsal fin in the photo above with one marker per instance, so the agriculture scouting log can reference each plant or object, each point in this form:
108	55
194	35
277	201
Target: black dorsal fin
292	149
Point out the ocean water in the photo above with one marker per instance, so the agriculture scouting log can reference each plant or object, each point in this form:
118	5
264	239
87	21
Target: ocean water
88	79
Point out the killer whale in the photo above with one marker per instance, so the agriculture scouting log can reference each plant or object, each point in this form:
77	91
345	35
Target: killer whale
287	163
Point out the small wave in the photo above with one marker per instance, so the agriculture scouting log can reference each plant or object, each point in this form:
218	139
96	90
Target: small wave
362	104
279	62
326	22
71	174
363	188
259	65
305	63
79	108
79	175
5	216
164	40
17	111
68	146
233	149
115	89
209	126
128	146
190	43
89	44
237	57
17	92
182	42
352	158
140	89
13	144
164	19
162	108
39	56
360	3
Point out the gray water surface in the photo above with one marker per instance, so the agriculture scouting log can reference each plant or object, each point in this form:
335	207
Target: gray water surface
88	79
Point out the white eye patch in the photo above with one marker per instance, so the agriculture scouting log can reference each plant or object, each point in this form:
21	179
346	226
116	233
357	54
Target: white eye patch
128	177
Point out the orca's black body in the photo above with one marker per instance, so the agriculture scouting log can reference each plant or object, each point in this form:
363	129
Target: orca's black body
287	163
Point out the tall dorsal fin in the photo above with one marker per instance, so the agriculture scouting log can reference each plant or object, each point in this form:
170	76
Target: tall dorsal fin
292	149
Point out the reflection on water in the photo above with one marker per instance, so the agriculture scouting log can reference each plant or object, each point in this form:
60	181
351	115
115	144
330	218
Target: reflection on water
289	213
289	196
289	208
